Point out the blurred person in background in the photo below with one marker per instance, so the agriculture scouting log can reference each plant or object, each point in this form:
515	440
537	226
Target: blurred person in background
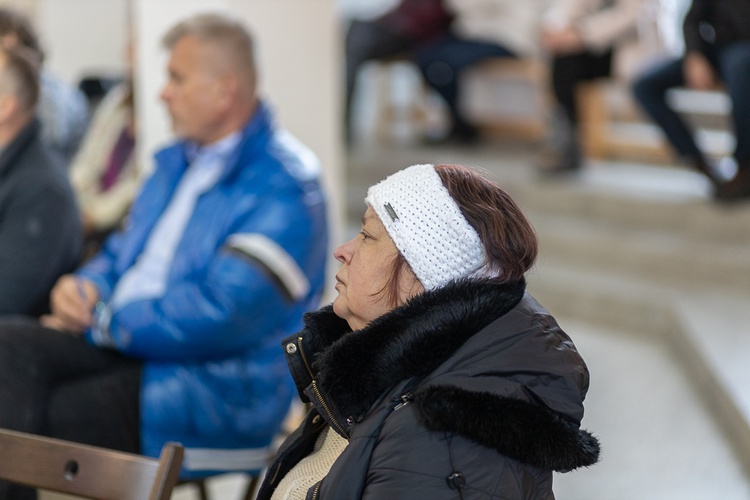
587	40
105	173
398	32
40	236
171	331
63	109
717	52
481	29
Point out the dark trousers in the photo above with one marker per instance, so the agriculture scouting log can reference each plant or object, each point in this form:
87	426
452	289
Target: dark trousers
57	385
443	61
732	63
570	70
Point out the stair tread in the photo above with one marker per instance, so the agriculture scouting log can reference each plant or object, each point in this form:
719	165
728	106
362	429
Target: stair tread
719	324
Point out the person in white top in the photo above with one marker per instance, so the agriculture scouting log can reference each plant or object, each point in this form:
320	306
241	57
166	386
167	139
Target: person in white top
587	40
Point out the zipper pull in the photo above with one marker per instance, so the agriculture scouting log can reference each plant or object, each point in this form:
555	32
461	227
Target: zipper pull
405	400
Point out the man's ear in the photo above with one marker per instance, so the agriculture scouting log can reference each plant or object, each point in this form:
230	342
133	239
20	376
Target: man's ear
228	88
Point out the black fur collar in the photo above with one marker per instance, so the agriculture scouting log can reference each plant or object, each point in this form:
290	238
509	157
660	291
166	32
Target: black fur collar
524	431
410	341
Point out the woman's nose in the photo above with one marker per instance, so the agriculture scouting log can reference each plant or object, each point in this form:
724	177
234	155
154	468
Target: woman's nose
342	253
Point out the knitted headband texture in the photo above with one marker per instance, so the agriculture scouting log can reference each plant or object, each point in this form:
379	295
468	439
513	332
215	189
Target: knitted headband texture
427	226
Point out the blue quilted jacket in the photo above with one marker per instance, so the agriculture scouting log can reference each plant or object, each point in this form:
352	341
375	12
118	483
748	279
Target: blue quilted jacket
251	260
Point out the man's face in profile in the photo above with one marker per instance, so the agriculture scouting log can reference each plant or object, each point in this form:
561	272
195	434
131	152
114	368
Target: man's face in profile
192	93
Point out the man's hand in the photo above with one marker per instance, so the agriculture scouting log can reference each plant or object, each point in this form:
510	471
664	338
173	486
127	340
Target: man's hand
72	301
562	41
699	74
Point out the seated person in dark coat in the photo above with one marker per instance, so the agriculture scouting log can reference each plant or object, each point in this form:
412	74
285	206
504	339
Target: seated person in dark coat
40	230
717	51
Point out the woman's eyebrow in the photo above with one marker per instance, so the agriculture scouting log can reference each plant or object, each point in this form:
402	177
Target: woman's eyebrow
366	217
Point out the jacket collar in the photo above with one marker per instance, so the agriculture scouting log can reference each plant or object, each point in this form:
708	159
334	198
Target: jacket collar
256	131
353	370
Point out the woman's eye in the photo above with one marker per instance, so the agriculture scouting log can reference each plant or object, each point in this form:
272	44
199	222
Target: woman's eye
364	235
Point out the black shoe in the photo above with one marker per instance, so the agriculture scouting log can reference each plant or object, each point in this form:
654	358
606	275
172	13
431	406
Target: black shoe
462	134
555	164
736	189
465	133
709	171
561	156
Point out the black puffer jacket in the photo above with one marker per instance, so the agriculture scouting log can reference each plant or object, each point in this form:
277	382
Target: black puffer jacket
469	391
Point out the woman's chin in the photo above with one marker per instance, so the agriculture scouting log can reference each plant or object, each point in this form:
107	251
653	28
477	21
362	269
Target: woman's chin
338	309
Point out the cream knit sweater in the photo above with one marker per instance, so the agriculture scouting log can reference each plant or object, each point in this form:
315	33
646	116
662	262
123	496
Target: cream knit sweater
312	468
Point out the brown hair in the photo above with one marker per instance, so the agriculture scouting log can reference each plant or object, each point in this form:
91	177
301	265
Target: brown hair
508	237
227	33
19	75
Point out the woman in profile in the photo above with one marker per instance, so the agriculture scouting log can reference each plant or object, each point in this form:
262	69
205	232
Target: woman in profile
434	374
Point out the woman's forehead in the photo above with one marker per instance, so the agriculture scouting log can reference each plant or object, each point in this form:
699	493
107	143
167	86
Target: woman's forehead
370	218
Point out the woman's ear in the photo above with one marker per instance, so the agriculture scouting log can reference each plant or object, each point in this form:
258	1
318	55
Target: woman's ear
416	288
412	286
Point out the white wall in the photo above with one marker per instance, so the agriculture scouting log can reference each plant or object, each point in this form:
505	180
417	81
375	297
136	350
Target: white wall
82	37
27	6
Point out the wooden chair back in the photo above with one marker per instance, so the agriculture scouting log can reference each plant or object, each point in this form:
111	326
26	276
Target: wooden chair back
87	471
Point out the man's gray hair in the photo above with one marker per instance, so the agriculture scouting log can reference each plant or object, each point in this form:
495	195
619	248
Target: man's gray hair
222	30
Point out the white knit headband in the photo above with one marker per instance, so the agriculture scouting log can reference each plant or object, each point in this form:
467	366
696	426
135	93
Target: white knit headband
427	226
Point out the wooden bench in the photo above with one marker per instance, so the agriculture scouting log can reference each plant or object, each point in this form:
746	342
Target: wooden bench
392	107
503	97
508	97
613	127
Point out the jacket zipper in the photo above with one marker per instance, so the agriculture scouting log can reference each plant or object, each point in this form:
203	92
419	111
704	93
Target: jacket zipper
331	418
316	491
405	399
276	473
304	358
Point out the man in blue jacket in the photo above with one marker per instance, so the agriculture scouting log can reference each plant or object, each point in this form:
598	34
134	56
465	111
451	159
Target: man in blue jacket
172	331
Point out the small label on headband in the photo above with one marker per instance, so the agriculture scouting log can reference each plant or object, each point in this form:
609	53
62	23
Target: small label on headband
391	212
